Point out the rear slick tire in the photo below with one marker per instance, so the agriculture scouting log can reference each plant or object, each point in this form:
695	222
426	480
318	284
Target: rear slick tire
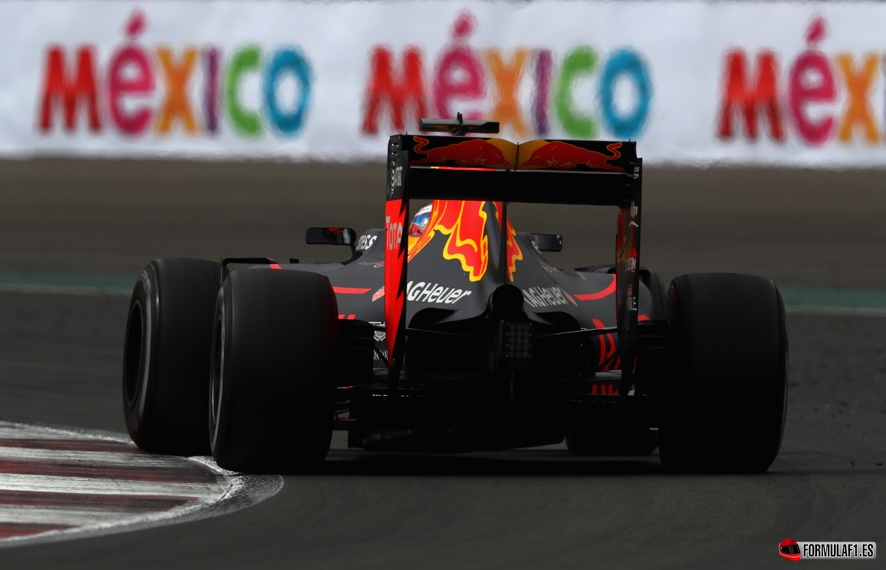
166	355
726	395
272	387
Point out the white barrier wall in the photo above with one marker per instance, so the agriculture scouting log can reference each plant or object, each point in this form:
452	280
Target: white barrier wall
693	82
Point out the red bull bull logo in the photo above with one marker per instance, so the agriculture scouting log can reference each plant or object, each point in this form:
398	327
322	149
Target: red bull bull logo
489	153
565	156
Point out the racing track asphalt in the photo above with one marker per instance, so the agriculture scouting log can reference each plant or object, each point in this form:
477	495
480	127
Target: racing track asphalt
60	361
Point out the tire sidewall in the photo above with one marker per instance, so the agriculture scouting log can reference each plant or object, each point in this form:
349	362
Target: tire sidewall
219	392
138	406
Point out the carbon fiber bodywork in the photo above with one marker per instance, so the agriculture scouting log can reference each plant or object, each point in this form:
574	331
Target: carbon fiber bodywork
464	383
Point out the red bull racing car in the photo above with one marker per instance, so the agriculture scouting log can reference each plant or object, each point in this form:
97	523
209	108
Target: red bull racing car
454	333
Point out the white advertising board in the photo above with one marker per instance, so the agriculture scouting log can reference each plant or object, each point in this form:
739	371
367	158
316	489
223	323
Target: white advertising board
693	82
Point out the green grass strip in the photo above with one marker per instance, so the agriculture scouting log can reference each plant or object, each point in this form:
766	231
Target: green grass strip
837	298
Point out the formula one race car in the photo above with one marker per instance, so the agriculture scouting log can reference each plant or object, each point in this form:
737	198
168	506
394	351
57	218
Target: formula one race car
455	334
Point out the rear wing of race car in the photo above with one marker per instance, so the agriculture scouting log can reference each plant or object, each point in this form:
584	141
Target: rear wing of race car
596	173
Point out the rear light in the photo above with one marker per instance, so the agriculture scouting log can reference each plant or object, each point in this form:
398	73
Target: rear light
516	343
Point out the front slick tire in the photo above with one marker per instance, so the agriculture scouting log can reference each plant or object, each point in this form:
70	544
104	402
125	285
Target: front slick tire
726	398
272	384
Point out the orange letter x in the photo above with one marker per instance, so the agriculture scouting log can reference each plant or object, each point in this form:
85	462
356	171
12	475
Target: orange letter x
857	108
507	79
177	104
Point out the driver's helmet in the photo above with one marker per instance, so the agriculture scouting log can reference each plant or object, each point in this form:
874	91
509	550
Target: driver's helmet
420	221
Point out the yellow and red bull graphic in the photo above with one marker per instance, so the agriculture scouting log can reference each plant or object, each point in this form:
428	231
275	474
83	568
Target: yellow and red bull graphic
562	155
464	226
512	251
484	153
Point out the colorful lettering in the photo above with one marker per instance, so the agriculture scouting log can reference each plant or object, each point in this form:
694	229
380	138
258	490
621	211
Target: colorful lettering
507	76
811	93
462	79
59	88
210	102
152	88
858	84
543	67
291	61
628	65
246	121
400	96
747	98
459	74
130	76
579	62
811	81
177	106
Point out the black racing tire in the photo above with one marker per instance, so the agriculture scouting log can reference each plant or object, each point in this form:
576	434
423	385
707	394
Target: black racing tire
614	444
167	353
272	387
725	399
